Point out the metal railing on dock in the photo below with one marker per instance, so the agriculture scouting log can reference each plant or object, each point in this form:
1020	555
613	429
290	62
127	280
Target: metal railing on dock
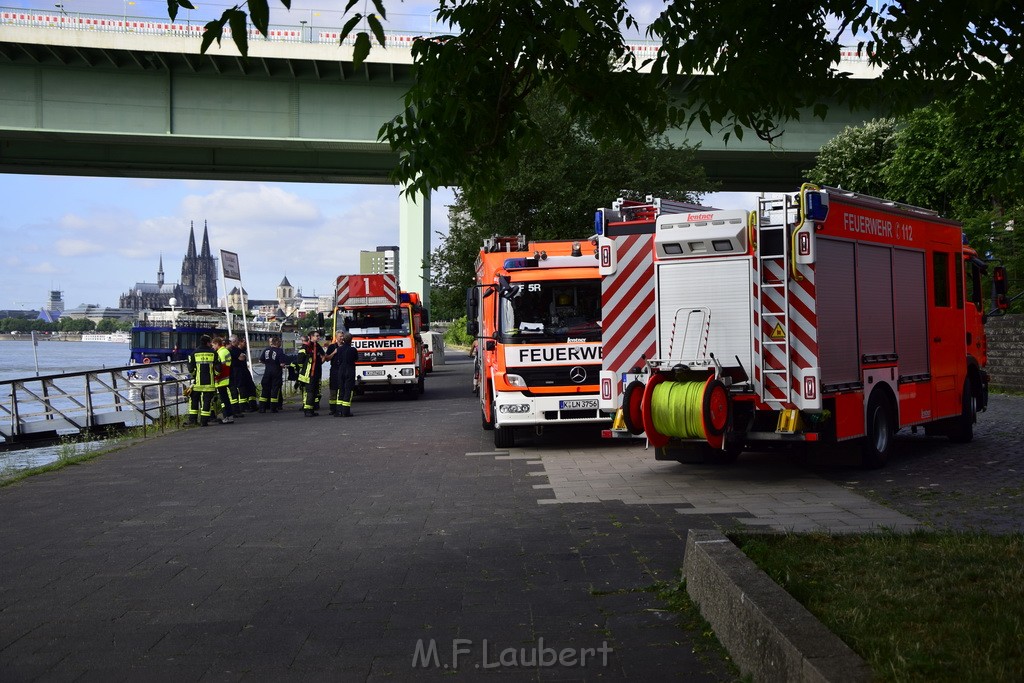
91	401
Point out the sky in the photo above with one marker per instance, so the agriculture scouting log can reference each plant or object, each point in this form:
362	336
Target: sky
94	238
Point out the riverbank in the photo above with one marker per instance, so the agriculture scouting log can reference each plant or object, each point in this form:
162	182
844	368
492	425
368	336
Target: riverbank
49	336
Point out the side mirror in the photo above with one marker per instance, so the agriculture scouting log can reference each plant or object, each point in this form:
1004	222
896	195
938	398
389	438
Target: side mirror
425	321
490	345
472	327
506	288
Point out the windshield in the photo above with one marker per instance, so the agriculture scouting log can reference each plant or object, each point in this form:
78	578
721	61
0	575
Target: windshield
551	312
382	320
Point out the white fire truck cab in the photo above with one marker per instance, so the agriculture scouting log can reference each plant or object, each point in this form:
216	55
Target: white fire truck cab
821	317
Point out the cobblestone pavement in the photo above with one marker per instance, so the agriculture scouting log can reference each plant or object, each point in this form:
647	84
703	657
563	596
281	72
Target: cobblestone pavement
929	483
951	487
763	490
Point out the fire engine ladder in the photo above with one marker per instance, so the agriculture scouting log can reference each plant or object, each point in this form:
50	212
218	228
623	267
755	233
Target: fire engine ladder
772	298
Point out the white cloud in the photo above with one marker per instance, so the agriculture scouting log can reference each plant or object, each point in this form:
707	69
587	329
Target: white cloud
44	268
264	205
72	247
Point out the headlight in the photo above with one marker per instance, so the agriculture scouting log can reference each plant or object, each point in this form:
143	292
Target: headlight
406	372
516	381
516	408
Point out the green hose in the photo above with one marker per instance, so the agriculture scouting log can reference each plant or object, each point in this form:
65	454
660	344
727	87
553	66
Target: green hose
677	409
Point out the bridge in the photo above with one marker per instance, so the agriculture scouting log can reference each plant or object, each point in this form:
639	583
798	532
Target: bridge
127	97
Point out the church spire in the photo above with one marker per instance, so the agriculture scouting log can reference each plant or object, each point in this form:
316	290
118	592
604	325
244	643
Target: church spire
160	273
191	253
206	242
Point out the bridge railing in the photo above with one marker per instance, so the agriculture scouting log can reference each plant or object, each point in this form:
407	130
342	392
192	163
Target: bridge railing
278	33
92	401
150	26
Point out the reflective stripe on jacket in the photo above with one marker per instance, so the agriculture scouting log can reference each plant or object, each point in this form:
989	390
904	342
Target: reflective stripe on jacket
201	367
224	356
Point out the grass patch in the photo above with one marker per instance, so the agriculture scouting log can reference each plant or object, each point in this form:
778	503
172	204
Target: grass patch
76	449
918	607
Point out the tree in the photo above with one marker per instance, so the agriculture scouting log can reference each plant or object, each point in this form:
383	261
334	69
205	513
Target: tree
857	158
550	190
66	324
949	158
770	63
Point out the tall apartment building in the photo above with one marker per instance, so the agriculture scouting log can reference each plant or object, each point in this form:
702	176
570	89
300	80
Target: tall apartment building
383	260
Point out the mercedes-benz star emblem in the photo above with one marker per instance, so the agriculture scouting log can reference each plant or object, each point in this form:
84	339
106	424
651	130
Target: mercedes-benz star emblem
578	374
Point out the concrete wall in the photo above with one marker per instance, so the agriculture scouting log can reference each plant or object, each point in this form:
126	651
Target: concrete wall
1006	352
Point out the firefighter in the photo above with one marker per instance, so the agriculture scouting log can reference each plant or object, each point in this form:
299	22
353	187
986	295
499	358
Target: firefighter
202	364
343	358
309	376
223	379
274	362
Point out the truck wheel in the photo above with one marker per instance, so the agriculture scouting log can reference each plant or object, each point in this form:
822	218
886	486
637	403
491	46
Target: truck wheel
632	413
962	430
504	437
487	424
421	385
881	423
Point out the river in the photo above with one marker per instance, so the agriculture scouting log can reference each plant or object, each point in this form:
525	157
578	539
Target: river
17	360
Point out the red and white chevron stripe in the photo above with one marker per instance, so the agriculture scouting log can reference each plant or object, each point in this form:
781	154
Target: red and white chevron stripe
801	333
366	290
627	304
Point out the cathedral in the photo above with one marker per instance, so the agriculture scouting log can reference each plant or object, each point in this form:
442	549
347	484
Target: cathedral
198	286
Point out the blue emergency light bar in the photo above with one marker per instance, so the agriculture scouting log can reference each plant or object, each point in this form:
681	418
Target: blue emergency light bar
405	297
817	205
599	222
518	263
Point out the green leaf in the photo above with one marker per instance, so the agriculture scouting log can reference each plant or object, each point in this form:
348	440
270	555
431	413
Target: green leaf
259	11
569	40
362	48
378	30
172	9
212	31
237	21
186	4
287	4
379	6
349	25
584	20
350	5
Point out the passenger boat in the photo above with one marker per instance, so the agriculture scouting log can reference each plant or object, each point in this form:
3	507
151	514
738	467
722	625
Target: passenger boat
115	337
172	335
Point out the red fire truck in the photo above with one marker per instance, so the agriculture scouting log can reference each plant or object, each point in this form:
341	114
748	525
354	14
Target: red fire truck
385	324
822	317
536	310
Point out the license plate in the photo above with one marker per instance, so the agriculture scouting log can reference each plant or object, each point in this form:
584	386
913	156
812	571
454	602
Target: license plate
578	404
373	373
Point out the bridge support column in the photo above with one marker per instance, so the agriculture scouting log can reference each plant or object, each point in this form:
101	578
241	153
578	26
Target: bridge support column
414	244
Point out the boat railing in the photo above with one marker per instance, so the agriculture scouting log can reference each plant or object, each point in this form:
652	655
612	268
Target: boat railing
48	407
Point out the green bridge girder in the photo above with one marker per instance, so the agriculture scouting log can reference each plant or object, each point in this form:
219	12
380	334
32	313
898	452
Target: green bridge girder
111	104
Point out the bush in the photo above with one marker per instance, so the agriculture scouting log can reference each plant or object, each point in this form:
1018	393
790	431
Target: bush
456	334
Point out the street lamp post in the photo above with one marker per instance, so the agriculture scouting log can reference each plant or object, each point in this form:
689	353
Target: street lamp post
302	30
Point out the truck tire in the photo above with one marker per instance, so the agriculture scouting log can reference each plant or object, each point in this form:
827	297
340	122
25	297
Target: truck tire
880	432
488	425
962	430
421	385
504	437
